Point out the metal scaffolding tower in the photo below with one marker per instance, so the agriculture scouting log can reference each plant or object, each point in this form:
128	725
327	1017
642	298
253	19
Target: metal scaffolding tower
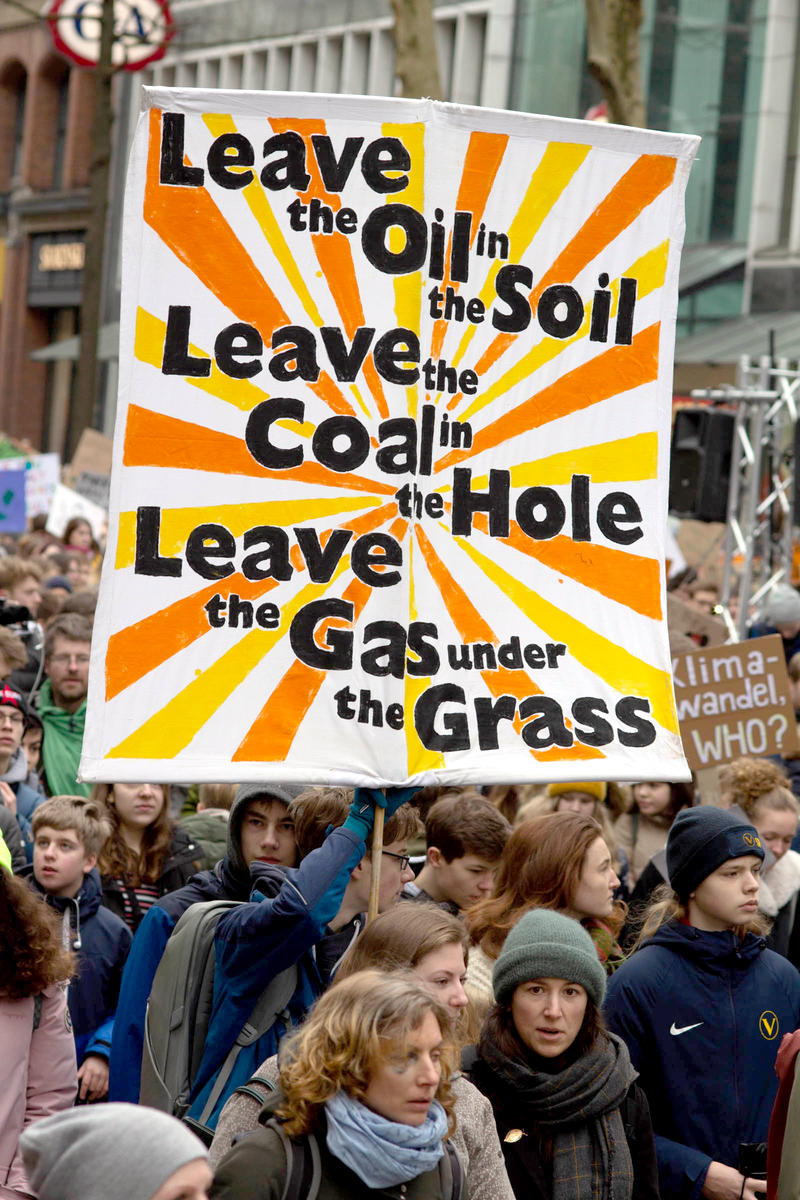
759	535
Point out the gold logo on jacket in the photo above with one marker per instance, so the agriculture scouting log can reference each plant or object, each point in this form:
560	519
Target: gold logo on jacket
768	1025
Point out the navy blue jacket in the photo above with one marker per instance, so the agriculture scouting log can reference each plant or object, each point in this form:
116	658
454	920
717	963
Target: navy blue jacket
222	883
101	942
253	943
703	1015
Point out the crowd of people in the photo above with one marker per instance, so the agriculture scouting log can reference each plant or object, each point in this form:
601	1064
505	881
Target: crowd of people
572	991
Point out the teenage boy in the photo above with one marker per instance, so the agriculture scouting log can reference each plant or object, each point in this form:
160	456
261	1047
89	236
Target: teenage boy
15	792
702	1006
260	828
69	832
20	597
303	918
465	835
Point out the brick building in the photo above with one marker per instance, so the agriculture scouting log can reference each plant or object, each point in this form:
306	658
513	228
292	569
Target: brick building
45	119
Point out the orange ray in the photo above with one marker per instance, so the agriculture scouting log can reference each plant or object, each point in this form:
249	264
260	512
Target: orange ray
145	645
334	251
189	222
270	737
155	440
481	164
473	628
630	579
638	187
616	370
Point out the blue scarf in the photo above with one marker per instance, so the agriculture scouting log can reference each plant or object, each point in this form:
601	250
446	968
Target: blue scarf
383	1153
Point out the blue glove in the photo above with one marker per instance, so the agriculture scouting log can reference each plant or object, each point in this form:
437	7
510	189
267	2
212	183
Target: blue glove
361	817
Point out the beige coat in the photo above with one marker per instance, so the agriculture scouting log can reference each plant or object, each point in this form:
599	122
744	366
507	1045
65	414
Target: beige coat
475	1137
650	837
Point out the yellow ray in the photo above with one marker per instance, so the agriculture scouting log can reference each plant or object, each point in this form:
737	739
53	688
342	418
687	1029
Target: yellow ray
559	163
418	758
177	523
262	211
171	729
607	462
649	271
408	288
610	661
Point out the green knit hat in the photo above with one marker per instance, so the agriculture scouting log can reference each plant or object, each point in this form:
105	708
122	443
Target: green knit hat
547	945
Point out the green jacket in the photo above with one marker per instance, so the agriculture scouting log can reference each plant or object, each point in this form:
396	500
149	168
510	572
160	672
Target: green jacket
210	829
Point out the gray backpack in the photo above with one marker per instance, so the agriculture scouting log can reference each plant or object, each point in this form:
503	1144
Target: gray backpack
179	1010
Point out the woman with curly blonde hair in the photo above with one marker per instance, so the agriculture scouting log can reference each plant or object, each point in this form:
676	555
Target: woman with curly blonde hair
37	1048
365	1087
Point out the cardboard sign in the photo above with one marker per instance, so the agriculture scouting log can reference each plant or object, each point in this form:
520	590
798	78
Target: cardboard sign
734	700
12	501
390	469
92	453
93	487
42	476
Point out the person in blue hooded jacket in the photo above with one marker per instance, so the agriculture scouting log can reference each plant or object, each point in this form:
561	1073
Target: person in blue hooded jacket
305	919
68	833
702	1005
260	827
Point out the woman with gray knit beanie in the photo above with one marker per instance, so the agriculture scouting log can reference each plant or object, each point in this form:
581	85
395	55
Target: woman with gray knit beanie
572	1122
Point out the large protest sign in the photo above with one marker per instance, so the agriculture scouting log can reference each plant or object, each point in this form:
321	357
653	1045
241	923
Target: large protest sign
388	495
734	700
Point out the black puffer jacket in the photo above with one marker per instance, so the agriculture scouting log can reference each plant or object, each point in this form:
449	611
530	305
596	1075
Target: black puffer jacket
528	1172
185	855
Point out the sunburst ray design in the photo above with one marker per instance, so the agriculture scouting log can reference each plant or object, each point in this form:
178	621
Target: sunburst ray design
547	409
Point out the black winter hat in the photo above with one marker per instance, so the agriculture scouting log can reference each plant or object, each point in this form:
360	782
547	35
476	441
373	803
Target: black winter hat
702	839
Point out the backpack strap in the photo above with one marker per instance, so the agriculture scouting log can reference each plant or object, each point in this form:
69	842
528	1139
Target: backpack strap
37	1010
270	1004
303	1165
251	1086
451	1173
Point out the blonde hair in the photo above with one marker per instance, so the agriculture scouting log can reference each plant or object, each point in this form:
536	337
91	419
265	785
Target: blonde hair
745	779
85	816
347	1035
779	799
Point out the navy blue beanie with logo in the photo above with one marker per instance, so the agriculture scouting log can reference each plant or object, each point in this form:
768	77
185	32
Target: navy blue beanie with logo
702	839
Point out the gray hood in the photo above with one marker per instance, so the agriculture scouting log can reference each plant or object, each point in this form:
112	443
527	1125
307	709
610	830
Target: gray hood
285	792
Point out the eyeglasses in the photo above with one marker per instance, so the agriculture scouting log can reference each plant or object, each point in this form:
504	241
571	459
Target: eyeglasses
64	660
13	718
403	859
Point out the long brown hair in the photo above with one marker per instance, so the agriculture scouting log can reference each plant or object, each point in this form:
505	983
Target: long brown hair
540	868
33	957
500	1030
118	859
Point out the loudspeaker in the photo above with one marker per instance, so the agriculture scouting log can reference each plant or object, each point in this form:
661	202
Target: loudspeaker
700	463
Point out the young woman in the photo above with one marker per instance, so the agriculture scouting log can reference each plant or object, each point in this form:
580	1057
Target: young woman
572	1123
561	862
702	1004
775	816
115	1152
433	944
366	1080
642	832
37	1048
589	799
147	854
78	536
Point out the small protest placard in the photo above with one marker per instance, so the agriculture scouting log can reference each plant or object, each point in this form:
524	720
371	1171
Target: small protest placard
68	504
42	476
12	501
734	700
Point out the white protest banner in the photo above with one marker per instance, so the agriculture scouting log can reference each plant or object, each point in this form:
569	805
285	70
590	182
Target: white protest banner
389	482
734	701
67	504
42	476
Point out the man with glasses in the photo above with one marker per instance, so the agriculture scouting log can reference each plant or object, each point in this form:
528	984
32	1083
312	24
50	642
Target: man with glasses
62	702
16	796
